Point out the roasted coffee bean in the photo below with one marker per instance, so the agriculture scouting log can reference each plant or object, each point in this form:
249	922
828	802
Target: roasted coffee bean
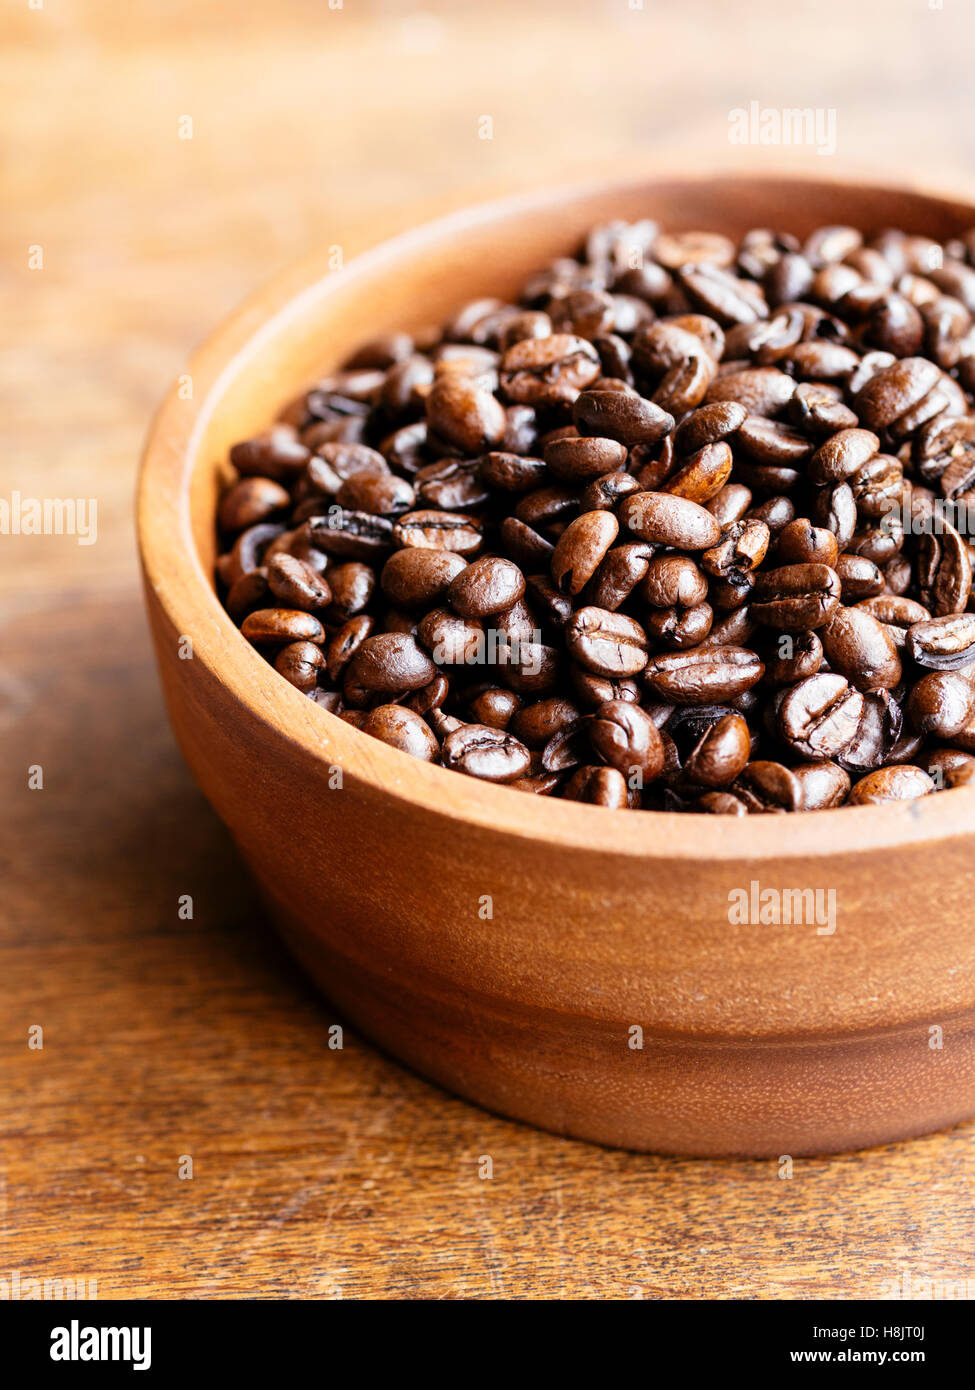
842	455
818	718
464	414
579	460
300	663
721	752
818	409
761	390
622	416
417	579
618	574
353	585
352	535
624	736
741	549
451	640
703	475
493	755
822	785
548	371
726	488
802	543
773	442
835	508
795	598
775	512
796	659
943	643
525	544
512	472
860	578
605	494
680	628
389	663
580	550
673	580
382	494
249	501
279	627
249	550
277	454
709	424
345	642
486	586
296	585
768	787
730	504
536	723
876	736
941	703
495	707
665	519
403	729
432	530
703	675
944	572
859	647
902	783
452	485
606	643
599	786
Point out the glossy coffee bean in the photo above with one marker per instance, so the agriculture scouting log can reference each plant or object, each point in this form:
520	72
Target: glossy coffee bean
664	519
581	549
485	586
707	675
599	786
624	736
606	643
891	784
279	627
818	718
492	755
403	729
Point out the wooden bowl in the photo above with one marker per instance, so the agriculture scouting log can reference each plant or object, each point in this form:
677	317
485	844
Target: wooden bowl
562	964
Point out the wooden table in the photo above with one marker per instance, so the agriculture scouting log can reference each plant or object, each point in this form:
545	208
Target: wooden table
322	1173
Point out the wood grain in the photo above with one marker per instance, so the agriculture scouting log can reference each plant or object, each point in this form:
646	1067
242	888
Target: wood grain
321	1173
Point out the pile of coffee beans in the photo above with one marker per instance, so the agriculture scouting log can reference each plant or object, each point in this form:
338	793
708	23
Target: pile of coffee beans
684	528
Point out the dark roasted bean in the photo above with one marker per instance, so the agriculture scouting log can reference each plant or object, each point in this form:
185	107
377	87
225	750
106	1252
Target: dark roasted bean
605	643
795	598
278	627
944	643
902	783
819	717
403	729
662	518
300	663
703	676
493	755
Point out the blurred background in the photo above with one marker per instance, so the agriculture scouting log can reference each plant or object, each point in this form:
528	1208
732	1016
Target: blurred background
159	159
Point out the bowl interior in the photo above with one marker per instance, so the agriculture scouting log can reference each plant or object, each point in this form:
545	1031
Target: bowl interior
309	319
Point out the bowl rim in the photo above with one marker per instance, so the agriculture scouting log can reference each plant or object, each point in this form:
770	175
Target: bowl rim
173	571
